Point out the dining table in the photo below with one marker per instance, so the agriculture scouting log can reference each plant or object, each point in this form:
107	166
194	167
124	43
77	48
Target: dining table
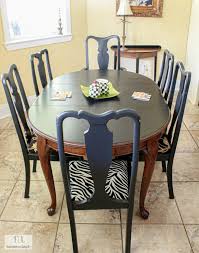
154	114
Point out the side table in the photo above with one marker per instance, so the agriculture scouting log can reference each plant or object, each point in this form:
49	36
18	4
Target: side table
139	52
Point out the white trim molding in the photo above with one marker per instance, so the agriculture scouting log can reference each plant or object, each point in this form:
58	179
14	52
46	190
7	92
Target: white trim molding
19	44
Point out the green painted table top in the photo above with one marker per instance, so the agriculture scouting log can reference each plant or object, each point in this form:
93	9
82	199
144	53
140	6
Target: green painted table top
154	114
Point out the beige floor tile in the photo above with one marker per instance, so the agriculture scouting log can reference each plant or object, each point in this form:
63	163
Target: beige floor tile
11	164
43	235
186	167
9	141
91	239
5	190
186	194
186	144
4	123
195	135
34	208
159	239
92	216
183	127
192	121
191	109
193	234
158	175
10	125
38	176
162	209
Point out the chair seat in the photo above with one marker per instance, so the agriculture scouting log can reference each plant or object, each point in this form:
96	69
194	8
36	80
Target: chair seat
32	146
164	145
82	185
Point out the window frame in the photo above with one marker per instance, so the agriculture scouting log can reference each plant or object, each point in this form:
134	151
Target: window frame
11	44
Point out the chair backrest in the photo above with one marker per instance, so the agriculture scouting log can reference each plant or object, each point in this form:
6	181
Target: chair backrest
103	56
166	73
18	104
98	141
176	122
41	69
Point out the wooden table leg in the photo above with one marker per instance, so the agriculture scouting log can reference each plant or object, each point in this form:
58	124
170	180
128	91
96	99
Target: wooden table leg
44	156
150	155
137	65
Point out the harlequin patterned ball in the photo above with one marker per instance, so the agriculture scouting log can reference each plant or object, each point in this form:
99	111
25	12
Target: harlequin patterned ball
104	88
94	90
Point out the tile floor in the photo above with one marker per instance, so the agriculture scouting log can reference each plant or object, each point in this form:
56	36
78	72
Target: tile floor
173	225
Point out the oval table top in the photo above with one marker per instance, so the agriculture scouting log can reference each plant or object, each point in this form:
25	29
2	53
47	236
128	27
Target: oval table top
154	114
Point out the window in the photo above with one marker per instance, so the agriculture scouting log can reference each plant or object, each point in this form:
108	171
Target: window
30	23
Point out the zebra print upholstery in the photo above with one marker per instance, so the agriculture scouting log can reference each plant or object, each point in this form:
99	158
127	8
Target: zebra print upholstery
82	185
164	145
32	146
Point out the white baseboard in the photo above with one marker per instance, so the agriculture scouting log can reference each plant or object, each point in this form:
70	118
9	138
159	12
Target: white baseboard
5	111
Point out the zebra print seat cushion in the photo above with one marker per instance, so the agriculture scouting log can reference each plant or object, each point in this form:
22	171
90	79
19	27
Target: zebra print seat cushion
82	185
32	146
164	145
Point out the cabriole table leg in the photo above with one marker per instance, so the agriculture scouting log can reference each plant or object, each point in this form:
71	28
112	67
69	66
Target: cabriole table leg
150	155
44	156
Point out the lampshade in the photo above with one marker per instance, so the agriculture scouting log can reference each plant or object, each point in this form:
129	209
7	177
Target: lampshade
124	8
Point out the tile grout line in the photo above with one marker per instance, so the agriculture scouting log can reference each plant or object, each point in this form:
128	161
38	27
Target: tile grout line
193	137
184	226
30	222
8	199
58	222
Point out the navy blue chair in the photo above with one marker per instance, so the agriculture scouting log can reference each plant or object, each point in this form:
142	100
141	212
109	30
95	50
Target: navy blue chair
41	67
99	183
168	142
103	56
18	104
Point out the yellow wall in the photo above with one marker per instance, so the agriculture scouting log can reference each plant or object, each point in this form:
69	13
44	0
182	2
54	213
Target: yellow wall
64	57
170	31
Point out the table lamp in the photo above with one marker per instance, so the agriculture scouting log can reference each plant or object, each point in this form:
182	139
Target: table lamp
124	10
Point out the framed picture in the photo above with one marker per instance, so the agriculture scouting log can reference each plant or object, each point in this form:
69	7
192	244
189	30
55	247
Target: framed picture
145	8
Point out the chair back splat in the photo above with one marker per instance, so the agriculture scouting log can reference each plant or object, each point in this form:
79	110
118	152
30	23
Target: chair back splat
166	74
103	56
185	78
99	141
41	69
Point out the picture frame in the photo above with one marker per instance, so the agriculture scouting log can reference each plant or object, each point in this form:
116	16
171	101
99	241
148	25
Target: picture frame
145	8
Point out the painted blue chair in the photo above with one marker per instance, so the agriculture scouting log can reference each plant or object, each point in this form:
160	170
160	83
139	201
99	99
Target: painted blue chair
169	141
41	67
18	105
99	183
103	56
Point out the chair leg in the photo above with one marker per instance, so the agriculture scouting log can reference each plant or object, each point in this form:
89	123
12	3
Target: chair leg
128	232
73	232
34	168
164	167
170	178
27	176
